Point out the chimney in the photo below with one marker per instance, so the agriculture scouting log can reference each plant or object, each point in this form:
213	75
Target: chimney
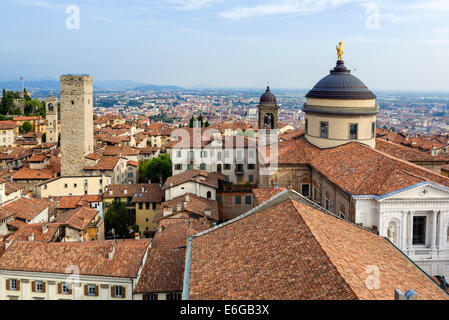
31	237
111	252
8	242
44	228
409	295
137	236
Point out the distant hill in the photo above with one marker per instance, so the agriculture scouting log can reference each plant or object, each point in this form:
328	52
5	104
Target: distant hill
98	85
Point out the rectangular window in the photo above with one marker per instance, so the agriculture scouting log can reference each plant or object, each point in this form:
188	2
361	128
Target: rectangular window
353	130
248	200
250	178
324	129
150	296
74	185
173	296
178	154
13	284
189	166
178	166
202	166
373	130
65	185
91	290
305	190
118	291
227	167
140	206
238	199
39	286
227	178
419	230
65	288
251	166
326	201
307	126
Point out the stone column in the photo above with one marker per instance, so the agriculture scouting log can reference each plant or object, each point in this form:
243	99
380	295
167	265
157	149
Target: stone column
434	230
410	231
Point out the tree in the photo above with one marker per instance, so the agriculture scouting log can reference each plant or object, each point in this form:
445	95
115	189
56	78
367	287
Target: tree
159	167
191	122
206	124
143	176
117	218
26	127
34	106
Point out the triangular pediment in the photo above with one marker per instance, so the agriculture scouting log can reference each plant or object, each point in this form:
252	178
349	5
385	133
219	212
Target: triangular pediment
427	190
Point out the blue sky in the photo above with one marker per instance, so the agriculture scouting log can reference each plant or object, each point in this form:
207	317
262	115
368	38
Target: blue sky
229	43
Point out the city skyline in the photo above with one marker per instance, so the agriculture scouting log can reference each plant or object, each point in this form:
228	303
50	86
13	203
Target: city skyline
229	44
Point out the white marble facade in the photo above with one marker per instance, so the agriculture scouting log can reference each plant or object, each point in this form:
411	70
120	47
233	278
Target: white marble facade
415	219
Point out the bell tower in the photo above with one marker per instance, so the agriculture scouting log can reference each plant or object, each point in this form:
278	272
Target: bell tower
268	111
51	115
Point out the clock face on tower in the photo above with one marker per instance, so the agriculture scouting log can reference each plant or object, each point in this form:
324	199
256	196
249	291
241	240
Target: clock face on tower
50	106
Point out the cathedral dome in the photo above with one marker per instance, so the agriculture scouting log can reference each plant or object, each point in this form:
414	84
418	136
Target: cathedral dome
340	84
268	98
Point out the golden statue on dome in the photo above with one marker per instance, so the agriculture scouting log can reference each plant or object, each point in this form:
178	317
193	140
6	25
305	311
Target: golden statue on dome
340	49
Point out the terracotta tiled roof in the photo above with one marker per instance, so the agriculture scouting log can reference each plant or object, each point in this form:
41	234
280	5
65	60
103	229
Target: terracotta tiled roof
361	170
295	152
288	250
27	209
37	158
11	187
26	118
153	193
121	151
407	154
189	203
104	164
174	233
201	177
90	257
7	125
78	218
26	173
148	150
163	271
72	202
36	230
292	134
263	194
15	153
131	190
132	163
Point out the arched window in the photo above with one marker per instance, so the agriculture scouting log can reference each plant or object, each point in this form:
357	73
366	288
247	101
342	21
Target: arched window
209	194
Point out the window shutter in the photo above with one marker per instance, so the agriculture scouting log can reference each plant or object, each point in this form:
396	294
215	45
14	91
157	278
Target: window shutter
44	287
86	290
59	288
96	291
18	285
123	292
112	291
8	284
33	286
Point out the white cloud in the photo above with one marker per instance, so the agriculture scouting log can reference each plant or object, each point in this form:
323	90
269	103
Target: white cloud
40	4
192	4
283	7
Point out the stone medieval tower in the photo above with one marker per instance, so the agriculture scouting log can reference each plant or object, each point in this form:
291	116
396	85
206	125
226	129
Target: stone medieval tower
51	115
77	138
